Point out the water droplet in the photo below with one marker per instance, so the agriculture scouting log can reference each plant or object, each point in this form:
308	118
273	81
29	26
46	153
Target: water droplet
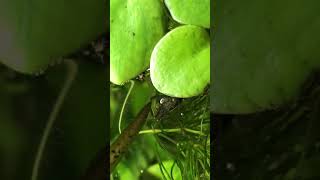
141	171
181	114
162	100
230	166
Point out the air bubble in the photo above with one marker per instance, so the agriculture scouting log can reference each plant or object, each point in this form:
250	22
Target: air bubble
230	166
162	100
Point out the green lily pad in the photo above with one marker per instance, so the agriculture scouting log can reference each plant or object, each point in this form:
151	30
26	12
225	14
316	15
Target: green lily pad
35	34
180	62
193	12
136	27
265	51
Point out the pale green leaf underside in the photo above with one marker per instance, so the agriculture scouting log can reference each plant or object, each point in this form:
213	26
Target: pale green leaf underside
33	34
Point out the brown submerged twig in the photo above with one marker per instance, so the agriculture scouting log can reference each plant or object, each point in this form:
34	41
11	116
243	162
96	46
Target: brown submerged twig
98	167
120	146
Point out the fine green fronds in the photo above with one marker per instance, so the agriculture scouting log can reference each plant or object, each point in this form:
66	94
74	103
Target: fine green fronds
185	133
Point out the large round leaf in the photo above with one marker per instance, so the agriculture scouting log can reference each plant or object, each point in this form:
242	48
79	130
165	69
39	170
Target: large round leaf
136	26
33	34
265	51
180	62
194	12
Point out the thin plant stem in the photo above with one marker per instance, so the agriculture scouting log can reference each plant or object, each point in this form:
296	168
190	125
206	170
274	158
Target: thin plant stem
194	132
124	104
201	125
72	71
168	138
156	131
161	166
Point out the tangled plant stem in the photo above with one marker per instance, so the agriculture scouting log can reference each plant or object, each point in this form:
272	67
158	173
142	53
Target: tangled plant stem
124	104
72	69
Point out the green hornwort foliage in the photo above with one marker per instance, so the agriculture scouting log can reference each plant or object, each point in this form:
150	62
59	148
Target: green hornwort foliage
182	127
184	131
